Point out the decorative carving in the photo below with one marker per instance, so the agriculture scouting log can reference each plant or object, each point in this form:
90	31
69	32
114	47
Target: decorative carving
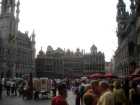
138	7
133	7
121	7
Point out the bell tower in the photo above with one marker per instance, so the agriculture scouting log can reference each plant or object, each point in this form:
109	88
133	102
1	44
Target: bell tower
8	29
122	18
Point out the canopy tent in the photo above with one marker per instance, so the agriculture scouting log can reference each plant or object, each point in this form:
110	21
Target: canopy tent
136	72
96	76
83	78
110	75
136	79
135	75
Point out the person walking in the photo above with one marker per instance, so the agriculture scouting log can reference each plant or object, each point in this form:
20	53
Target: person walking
106	97
62	95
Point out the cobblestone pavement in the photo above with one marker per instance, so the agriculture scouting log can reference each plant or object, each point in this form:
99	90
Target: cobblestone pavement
13	100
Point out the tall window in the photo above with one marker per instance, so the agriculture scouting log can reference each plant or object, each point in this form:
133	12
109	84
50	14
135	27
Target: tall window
9	10
0	7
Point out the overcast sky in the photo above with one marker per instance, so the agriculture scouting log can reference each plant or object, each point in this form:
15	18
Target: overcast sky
71	23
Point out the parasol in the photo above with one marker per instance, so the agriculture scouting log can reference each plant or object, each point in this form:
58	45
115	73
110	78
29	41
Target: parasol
96	75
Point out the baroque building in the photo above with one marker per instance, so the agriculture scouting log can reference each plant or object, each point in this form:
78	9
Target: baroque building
17	49
60	63
127	55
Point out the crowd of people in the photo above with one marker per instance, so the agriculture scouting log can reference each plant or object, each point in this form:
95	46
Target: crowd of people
25	88
100	92
10	87
87	92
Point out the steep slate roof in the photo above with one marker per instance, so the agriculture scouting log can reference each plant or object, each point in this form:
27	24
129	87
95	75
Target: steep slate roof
23	36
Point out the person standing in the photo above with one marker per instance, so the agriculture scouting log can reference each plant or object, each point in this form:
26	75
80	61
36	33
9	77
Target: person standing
77	93
30	87
0	90
119	94
12	88
82	90
106	97
134	95
36	94
88	97
15	89
8	88
54	87
61	98
96	92
1	85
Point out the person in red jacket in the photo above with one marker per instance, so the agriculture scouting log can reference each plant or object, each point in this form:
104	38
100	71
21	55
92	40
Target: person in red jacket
61	98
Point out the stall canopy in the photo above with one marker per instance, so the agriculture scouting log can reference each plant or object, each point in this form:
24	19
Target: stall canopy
109	75
135	74
136	79
96	75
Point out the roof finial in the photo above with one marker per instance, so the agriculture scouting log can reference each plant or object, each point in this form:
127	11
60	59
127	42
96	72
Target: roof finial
41	48
121	9
18	10
133	7
33	33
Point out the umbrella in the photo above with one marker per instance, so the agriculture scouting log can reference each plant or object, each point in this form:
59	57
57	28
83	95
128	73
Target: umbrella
136	79
125	77
83	78
132	76
135	75
96	75
110	75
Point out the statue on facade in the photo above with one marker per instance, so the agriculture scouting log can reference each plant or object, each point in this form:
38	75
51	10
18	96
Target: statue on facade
138	7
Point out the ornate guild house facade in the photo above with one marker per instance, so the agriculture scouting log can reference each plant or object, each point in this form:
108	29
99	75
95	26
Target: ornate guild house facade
17	49
127	56
60	63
